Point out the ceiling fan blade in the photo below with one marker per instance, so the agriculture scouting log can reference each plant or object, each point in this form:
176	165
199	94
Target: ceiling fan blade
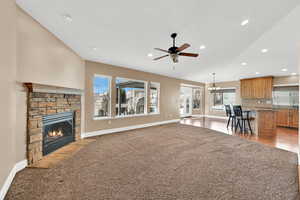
161	50
183	47
161	57
189	54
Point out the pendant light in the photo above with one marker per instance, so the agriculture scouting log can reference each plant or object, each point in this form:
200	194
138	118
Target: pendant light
214	88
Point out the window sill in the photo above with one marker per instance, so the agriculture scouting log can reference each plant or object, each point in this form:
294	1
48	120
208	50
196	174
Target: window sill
218	109
157	113
102	118
126	116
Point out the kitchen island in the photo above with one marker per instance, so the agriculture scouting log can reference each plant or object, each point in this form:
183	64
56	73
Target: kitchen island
263	121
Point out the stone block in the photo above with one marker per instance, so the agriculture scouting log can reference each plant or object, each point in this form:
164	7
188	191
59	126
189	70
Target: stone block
32	124
33	104
34	131
51	111
38	99
35	138
51	104
42	104
42	111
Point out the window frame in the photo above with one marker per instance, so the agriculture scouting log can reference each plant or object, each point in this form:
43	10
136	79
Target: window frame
145	97
213	107
158	97
110	95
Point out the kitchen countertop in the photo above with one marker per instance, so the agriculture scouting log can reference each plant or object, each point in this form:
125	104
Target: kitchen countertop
273	108
285	107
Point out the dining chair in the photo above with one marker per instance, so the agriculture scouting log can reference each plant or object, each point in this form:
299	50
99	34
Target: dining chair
230	115
242	117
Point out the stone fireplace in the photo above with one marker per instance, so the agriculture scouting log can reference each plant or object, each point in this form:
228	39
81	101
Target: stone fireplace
53	119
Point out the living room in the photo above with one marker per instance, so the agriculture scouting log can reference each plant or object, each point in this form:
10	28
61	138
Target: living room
119	100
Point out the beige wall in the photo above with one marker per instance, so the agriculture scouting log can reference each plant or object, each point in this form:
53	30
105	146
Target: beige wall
42	58
278	80
7	87
169	96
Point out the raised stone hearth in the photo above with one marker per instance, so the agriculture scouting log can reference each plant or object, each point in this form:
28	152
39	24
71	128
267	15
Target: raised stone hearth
46	100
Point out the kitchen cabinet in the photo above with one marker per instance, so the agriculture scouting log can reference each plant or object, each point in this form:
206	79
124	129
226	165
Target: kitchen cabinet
257	88
294	118
283	117
287	118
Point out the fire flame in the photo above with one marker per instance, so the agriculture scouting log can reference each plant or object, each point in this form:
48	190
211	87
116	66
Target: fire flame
56	133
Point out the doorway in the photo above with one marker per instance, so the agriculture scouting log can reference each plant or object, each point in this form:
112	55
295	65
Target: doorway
186	99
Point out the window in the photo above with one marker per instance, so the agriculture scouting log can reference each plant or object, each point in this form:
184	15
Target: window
223	97
101	86
130	97
154	97
286	96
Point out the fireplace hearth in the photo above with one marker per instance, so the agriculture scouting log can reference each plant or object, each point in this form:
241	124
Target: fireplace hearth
58	131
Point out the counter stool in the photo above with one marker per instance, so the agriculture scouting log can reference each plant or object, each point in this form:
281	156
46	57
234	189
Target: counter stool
230	116
242	118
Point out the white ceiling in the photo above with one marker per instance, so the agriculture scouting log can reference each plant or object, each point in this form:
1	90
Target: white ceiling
124	32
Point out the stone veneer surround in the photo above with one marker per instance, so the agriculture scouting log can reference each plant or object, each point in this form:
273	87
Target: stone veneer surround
45	100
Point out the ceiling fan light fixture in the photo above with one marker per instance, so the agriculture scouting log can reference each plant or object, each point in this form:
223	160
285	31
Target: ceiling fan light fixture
174	57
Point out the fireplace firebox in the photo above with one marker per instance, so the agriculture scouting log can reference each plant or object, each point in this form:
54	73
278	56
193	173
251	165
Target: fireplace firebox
58	131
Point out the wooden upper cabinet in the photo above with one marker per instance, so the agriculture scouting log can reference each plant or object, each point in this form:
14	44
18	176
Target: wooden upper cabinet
257	88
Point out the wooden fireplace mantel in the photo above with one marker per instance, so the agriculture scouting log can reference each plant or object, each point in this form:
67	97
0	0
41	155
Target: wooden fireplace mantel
36	87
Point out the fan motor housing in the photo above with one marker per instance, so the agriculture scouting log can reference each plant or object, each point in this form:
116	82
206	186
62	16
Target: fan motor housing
173	50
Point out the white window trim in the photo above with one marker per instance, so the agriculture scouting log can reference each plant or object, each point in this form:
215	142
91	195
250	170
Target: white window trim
158	96
146	99
109	106
135	115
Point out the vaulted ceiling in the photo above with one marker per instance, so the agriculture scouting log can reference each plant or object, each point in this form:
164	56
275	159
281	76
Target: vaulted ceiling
124	33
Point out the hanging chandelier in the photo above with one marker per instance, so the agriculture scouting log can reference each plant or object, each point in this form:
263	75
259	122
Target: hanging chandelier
214	88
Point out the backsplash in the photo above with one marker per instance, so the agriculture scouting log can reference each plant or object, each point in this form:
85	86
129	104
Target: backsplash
260	103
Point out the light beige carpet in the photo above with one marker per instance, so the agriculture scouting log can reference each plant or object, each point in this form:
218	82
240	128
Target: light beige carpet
165	162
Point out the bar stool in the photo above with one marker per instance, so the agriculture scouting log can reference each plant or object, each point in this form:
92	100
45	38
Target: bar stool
230	116
242	118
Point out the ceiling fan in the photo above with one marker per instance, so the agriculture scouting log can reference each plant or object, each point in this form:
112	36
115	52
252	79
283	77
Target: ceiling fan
174	51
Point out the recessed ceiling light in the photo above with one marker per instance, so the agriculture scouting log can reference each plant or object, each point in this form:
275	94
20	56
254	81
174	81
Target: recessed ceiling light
264	50
245	22
150	54
293	74
284	69
94	48
202	47
244	63
67	18
257	73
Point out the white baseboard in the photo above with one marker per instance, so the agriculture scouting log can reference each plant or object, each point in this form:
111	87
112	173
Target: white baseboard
115	130
211	116
198	115
18	167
